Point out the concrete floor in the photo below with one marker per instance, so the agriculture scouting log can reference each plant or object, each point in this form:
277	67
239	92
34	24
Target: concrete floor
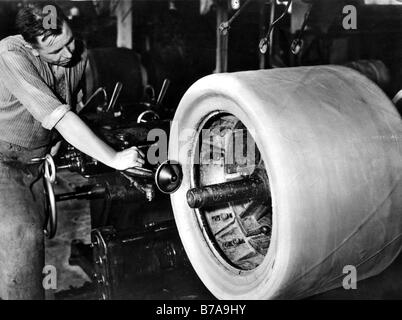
73	223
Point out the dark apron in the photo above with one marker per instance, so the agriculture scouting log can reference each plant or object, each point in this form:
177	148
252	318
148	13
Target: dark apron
21	223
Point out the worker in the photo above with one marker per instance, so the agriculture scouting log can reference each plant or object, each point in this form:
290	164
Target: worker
41	77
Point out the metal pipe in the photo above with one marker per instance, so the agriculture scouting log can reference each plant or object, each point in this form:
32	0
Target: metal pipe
216	194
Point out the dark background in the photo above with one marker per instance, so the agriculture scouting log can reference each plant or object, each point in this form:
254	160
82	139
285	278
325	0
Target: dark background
180	43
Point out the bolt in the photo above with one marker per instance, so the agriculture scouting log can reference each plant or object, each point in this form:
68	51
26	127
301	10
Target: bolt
93	244
264	230
101	280
225	216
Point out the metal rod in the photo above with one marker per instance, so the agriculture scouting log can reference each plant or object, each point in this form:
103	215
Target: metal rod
216	194
221	38
262	22
266	42
64	167
113	192
99	90
163	91
140	172
97	192
270	33
297	43
116	93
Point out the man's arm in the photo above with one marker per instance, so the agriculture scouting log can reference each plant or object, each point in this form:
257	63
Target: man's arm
24	81
77	133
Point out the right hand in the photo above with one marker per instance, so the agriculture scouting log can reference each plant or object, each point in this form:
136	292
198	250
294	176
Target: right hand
129	158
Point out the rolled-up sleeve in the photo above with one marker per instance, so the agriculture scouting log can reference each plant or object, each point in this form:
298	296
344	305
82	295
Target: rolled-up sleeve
23	80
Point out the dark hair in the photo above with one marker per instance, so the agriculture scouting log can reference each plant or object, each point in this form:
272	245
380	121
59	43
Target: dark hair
30	21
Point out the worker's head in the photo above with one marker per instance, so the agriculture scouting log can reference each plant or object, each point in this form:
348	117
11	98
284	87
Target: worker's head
44	26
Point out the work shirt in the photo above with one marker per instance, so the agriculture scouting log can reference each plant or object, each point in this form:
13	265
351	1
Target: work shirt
32	99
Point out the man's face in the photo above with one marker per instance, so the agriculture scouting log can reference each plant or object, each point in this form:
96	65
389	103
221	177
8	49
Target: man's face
58	50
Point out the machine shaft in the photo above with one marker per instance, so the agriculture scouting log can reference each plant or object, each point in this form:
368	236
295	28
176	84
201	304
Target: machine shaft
216	194
97	192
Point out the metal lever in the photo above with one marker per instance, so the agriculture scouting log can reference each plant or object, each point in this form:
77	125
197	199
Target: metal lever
163	91
95	193
264	42
152	115
99	90
116	93
225	26
37	160
297	44
139	172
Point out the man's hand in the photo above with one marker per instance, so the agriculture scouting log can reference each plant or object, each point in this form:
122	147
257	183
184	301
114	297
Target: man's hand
128	158
79	135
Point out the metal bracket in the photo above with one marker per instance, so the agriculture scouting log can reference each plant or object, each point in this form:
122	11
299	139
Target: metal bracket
297	44
264	42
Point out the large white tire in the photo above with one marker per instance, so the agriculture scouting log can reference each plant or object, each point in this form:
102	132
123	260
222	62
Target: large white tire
330	140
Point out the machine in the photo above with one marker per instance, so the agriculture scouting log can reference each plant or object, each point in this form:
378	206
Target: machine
268	183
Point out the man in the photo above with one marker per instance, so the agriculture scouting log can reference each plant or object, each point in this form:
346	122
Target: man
41	71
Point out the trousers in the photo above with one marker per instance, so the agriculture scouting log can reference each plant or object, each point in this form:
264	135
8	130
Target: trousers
22	221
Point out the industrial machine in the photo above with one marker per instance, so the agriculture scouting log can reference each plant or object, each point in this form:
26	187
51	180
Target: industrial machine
277	179
321	191
133	228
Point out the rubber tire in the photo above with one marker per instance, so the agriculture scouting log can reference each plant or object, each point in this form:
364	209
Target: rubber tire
330	140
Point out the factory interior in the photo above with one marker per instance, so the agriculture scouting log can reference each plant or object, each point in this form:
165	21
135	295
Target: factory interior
309	91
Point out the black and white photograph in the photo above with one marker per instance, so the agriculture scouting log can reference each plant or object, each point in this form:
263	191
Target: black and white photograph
216	152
